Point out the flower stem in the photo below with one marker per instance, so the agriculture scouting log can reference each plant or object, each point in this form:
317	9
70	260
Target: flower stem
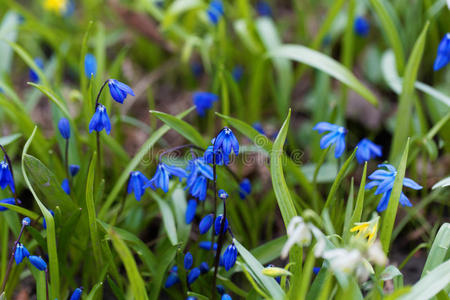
99	93
8	270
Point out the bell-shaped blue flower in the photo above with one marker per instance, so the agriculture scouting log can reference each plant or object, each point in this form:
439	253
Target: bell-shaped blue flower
162	176
119	90
205	224
367	150
44	223
198	167
263	8
65	186
217	224
26	221
76	295
384	181
336	136
188	261
137	184
226	142
361	26
215	11
203	101
38	262
171	280
90	65
229	257
64	128
226	297
206	245
245	188
20	253
237	73
220	158
6	201
100	120
204	267
443	53
74	169
199	188
6	176
190	211
193	275
34	77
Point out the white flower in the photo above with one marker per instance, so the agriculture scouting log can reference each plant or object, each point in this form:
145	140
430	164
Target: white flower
376	254
298	233
343	260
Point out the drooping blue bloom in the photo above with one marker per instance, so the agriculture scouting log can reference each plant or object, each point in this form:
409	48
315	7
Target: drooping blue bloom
193	275
162	176
237	73
226	142
100	120
6	176
76	295
34	77
199	188
74	169
188	261
64	128
217	224
245	188
220	158
26	221
204	267
336	136
229	257
316	270
205	224
367	150
443	53
222	194
258	127
38	262
226	297
20	253
220	289
384	181
215	11
6	201
198	167
171	280
190	211
119	90
206	245
361	26
65	186
203	101
263	8
137	183
44	223
90	65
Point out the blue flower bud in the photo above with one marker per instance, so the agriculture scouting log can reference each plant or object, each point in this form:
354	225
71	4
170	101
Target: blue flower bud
361	26
188	261
203	101
7	201
263	8
193	275
190	211
20	253
74	169
443	53
226	142
26	221
119	90
6	176
215	11
222	194
191	298
220	289
64	128
316	270
100	120
90	65
65	186
206	245
137	184
38	262
205	224
229	257
204	267
217	224
237	73
245	188
171	280
44	224
226	297
76	295
34	77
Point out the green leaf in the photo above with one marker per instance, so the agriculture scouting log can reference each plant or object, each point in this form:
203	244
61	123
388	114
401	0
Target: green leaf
8	32
269	251
356	217
168	218
280	187
442	183
392	273
326	64
53	98
23	211
93	294
6	140
439	249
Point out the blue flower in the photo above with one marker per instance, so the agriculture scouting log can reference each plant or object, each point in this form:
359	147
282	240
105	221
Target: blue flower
225	142
34	77
336	136
188	261
443	53
220	289
162	176
74	169
226	297
206	245
65	186
222	194
316	270
198	167
237	73
100	120
204	267
361	26
119	90
229	257
64	128
258	127
193	275
44	223
217	224
197	69
26	221
203	101
38	262
90	65
263	8
220	158
205	224
76	295
215	11
384	180
6	176
199	188
137	183
7	201
171	280
190	211
245	188
367	150
20	253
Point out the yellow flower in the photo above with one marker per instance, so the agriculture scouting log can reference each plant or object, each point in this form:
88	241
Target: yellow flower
56	6
367	229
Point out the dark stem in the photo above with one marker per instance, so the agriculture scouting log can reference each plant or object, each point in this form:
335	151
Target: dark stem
8	270
69	178
46	283
219	245
12	174
99	93
214	220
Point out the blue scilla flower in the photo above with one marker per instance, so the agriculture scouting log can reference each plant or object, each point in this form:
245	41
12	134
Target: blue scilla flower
361	26
90	65
204	267
203	101
367	150
205	224
215	11
64	128
206	245
217	224
443	53
119	90
74	169
20	253
229	257
245	188
220	158
76	295
26	221
258	127
226	297
226	142
162	176
38	262
263	8
190	211
6	176
222	194
384	181
237	73
6	201
198	167
188	261
34	77
137	183
44	223
199	188
336	136
193	275
220	289
173	278
100	120
65	186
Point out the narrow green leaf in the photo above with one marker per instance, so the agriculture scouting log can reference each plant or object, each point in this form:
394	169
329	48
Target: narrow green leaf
439	249
168	218
23	211
8	31
6	140
93	293
53	98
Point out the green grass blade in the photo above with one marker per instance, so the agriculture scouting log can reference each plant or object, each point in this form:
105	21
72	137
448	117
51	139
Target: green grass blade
439	249
6	140
93	293
168	218
53	98
23	211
